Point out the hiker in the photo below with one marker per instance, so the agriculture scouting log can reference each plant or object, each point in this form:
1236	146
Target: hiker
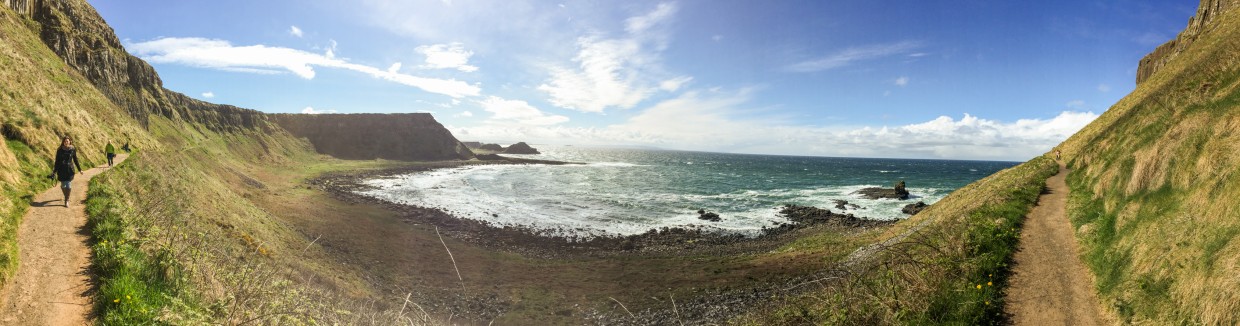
62	170
111	152
126	147
1056	154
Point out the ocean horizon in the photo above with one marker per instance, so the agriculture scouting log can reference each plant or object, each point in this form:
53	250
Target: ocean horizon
623	191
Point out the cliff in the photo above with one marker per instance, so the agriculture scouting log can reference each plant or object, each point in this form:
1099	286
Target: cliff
409	136
80	37
1207	13
1153	191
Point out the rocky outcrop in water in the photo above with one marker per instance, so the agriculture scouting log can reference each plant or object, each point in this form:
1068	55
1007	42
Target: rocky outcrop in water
1198	24
897	192
520	148
808	215
406	136
708	216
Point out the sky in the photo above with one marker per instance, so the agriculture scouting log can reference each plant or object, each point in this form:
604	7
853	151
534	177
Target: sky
979	80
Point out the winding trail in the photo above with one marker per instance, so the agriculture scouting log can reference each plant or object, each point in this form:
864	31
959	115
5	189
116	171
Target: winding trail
53	285
1050	285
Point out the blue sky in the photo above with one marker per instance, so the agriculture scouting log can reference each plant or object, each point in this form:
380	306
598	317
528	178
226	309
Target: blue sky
1001	80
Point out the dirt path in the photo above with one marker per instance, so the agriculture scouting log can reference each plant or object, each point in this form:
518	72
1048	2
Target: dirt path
1050	285
53	284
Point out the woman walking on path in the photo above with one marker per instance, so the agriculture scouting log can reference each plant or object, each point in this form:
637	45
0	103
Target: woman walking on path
66	160
111	152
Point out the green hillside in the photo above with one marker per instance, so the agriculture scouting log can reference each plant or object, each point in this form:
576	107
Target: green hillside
1154	192
185	231
42	99
176	238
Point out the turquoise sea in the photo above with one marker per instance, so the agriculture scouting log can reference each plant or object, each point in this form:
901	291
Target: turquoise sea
628	191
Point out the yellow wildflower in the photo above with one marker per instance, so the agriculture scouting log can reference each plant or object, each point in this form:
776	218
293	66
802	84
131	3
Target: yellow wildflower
979	286
117	300
990	284
127	297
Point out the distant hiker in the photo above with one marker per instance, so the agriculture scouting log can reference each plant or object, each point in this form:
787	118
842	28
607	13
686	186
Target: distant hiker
126	147
62	169
111	151
1056	154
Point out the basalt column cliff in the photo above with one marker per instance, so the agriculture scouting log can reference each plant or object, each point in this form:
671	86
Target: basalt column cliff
408	136
76	32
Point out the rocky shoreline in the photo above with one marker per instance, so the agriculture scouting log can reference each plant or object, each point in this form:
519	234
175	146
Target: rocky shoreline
707	304
547	244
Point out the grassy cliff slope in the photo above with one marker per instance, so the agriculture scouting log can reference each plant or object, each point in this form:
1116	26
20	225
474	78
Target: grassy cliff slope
42	99
1154	194
176	238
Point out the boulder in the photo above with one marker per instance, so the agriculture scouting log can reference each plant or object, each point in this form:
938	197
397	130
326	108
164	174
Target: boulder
709	216
844	204
913	209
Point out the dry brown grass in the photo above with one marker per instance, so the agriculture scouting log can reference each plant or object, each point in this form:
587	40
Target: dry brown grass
1158	172
947	264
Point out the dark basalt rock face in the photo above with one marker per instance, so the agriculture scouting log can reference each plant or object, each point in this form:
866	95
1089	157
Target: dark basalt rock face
405	136
492	147
520	148
80	37
1206	15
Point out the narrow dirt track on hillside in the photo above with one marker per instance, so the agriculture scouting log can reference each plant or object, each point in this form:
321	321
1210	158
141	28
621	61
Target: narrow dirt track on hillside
53	284
1050	285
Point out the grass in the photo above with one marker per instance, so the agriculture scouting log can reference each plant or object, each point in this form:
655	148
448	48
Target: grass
135	288
192	249
1153	190
41	99
952	271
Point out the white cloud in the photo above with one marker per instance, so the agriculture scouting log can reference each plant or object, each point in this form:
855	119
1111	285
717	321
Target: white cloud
1104	88
671	85
447	56
615	72
394	67
1075	104
902	81
719	122
208	94
311	110
661	14
464	114
851	55
331	50
293	30
219	54
519	112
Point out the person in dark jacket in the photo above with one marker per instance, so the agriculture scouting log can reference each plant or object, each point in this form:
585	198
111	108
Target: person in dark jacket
66	161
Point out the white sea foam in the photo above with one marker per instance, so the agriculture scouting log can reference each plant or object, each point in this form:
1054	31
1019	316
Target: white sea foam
618	193
457	192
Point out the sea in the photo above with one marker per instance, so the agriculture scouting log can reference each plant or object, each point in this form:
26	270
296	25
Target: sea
621	191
